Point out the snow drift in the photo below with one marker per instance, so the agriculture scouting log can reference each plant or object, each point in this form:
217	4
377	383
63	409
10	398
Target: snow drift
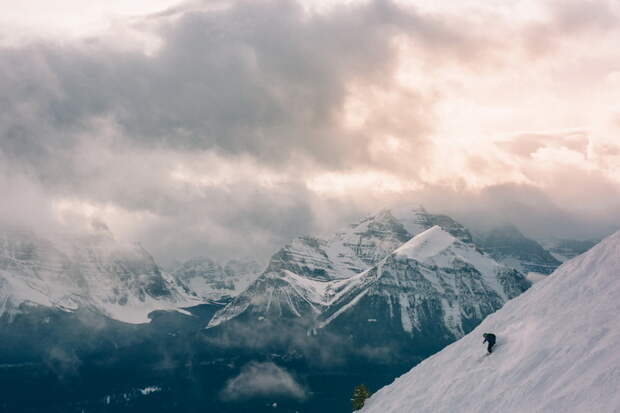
558	351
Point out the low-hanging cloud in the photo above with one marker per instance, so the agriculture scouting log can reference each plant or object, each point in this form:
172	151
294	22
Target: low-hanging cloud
263	380
260	84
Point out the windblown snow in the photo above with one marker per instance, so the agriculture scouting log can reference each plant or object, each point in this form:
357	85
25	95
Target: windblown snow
426	245
558	350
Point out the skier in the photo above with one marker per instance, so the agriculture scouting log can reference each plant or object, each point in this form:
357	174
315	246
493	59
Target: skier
489	338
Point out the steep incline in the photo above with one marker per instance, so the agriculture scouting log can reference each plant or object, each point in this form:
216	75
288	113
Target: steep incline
558	347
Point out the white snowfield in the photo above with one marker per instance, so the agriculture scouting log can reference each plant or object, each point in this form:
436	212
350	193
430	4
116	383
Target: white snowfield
558	350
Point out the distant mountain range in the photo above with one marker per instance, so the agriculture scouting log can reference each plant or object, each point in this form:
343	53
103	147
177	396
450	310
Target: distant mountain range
381	294
123	281
91	271
295	283
119	280
403	278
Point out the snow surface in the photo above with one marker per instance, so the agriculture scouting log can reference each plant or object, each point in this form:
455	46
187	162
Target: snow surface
558	350
427	244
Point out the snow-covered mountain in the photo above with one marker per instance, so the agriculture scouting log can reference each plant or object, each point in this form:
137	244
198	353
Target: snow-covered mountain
210	281
557	351
428	292
509	246
431	290
94	271
293	283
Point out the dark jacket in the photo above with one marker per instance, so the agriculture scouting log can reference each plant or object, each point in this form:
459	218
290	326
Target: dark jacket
489	338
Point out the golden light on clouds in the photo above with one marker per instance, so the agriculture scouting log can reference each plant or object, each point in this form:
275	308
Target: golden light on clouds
178	112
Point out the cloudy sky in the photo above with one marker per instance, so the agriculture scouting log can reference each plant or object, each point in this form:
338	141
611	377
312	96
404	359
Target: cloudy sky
225	128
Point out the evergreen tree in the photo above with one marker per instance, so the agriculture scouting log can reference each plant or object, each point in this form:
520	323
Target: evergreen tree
360	394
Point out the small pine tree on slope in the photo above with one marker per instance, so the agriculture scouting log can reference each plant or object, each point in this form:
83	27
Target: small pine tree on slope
360	394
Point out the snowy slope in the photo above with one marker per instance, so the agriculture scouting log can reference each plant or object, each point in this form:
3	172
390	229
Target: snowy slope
558	351
121	281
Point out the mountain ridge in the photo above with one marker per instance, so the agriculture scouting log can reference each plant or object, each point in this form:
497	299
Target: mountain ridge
342	256
417	293
120	281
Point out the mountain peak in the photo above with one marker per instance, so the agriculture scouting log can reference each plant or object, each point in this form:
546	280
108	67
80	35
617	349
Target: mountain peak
427	244
434	270
344	259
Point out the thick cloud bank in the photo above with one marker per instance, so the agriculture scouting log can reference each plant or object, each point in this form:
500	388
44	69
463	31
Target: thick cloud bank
227	128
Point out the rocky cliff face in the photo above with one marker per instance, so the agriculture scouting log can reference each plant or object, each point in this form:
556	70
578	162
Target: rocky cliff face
93	271
208	280
307	262
427	293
